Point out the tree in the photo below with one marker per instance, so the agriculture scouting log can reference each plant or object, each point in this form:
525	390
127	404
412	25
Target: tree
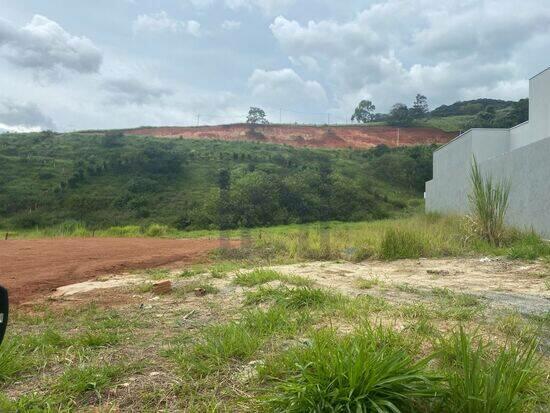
400	115
256	116
420	107
364	112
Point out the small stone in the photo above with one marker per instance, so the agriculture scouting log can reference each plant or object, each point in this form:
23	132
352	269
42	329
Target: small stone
162	287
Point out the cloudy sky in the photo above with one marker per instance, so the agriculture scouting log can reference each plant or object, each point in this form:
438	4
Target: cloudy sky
80	64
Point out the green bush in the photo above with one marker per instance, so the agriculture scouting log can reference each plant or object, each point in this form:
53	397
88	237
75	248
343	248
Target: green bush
398	243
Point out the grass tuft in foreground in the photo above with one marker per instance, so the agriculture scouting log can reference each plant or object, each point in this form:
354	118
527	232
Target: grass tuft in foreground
363	372
478	383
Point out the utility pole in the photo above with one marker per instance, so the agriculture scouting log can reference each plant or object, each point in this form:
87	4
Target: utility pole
198	119
280	116
328	117
398	132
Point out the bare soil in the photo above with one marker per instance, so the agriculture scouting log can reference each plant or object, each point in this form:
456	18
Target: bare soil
359	137
502	283
33	268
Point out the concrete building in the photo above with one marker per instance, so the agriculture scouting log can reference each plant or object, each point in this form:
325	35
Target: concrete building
520	155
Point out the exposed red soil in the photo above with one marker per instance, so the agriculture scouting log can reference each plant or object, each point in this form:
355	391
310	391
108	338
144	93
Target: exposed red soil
358	137
33	268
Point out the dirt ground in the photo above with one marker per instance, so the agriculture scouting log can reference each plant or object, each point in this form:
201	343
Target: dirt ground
502	283
359	137
32	268
499	283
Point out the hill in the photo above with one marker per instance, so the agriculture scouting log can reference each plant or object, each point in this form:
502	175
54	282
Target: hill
51	179
357	136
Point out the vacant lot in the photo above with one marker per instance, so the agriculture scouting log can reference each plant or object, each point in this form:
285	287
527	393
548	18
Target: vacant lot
262	339
30	268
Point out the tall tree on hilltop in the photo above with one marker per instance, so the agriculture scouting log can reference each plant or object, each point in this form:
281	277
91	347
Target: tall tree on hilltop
420	107
256	116
364	112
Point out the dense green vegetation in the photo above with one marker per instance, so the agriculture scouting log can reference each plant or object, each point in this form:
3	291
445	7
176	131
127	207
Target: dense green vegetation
51	179
459	116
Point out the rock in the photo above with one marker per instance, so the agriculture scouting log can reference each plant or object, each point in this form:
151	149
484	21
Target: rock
162	287
200	292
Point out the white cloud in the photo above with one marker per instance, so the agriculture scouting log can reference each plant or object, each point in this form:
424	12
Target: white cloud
44	45
23	117
162	22
200	4
286	88
134	90
269	7
231	25
394	49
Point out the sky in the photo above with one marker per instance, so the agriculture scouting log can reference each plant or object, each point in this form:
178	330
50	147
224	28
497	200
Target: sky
73	65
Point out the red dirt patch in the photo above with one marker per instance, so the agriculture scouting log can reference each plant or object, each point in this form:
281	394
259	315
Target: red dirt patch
32	268
358	137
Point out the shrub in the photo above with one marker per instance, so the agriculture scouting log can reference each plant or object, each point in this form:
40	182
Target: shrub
398	243
489	203
364	372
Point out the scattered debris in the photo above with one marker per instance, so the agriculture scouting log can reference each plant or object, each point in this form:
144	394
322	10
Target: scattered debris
248	372
189	314
200	292
438	272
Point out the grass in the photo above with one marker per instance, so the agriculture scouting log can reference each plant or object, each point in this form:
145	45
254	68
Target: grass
11	360
530	247
399	243
263	276
480	383
489	203
368	283
292	298
235	342
366	371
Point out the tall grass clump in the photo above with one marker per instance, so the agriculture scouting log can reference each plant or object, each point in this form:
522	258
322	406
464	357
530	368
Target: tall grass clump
367	371
11	360
489	203
399	243
481	383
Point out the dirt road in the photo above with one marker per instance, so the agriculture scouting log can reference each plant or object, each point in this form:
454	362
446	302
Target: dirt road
32	268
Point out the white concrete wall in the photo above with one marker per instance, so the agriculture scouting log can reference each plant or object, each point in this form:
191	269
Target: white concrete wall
527	169
520	155
539	106
520	135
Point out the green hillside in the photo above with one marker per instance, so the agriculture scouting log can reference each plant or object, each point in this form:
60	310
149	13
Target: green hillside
49	179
